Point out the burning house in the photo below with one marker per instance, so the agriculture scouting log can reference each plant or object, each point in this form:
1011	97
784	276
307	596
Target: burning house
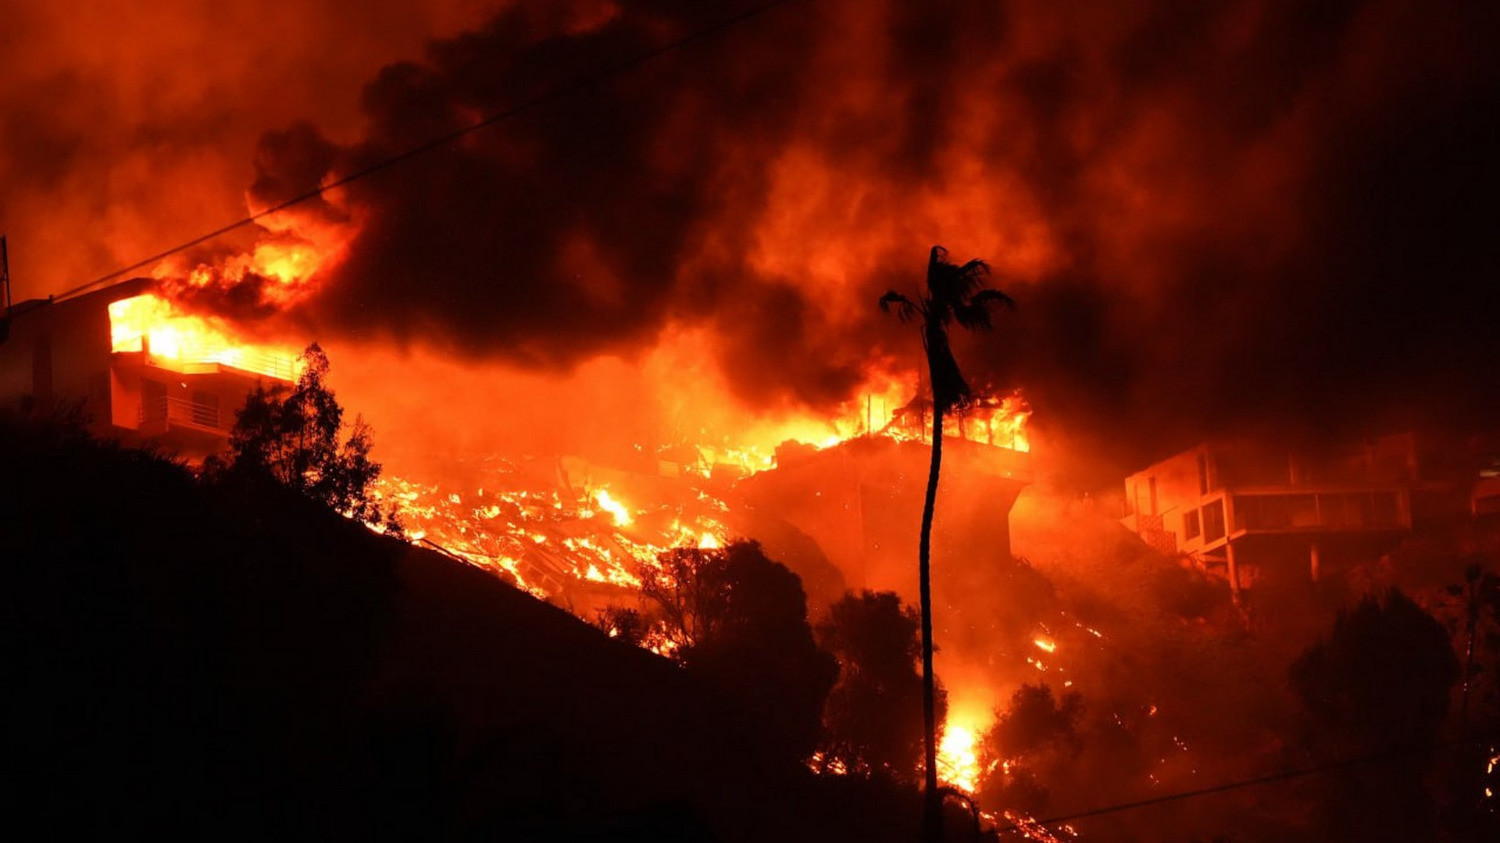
131	369
861	500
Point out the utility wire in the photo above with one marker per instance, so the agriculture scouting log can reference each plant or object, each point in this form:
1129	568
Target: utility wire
1220	788
565	89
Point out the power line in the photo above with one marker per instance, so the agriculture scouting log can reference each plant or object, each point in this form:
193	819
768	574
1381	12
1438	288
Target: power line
1220	788
565	89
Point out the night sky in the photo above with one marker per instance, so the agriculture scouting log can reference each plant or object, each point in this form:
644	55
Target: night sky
1216	218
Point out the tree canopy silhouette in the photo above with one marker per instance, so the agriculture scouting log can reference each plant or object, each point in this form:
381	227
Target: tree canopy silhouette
1036	732
1379	683
955	293
739	621
872	717
294	437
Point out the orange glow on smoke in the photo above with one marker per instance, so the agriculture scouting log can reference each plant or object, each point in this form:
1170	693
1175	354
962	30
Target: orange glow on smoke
286	272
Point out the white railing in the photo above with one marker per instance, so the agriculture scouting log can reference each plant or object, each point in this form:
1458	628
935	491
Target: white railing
180	411
252	360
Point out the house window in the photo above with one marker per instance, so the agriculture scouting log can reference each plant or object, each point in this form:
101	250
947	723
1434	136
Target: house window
1192	526
1213	521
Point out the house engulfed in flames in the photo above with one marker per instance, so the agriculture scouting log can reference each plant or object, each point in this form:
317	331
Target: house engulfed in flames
130	369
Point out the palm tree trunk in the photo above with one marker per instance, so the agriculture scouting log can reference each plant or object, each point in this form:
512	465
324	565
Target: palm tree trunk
932	815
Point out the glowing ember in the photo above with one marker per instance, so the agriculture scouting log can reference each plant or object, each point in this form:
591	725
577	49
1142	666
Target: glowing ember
1044	644
1030	829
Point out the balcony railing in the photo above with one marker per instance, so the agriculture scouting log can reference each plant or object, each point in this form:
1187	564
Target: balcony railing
189	358
1377	509
166	412
279	366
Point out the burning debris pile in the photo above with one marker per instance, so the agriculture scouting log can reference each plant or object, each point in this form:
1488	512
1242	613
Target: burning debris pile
549	533
562	527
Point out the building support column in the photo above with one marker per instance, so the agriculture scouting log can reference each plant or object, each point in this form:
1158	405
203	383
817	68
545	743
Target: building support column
1234	572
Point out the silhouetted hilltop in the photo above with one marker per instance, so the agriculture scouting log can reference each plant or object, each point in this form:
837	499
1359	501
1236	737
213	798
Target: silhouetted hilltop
221	660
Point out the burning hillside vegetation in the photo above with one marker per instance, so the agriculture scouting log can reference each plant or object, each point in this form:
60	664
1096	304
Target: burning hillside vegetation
652	298
835	502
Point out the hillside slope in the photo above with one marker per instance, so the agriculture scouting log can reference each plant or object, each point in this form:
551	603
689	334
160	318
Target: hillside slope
186	659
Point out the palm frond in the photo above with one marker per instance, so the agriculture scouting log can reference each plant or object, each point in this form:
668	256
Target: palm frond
971	276
906	308
975	317
949	284
987	297
974	314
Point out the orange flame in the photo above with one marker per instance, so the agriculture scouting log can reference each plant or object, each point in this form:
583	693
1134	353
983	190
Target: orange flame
958	751
958	763
149	324
613	507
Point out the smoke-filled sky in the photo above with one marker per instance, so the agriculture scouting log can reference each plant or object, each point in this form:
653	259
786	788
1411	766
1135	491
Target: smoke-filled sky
1215	217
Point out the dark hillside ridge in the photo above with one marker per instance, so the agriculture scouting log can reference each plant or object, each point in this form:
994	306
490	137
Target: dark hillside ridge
219	661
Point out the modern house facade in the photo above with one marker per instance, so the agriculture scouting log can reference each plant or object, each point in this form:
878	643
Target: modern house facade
72	357
1246	510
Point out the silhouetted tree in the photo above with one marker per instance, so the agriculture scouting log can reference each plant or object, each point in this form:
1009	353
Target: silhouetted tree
1036	721
1480	596
1475	775
954	293
623	624
1379	684
739	621
872	717
1035	727
293	437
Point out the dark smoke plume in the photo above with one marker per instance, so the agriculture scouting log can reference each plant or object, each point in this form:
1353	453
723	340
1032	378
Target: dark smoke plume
1215	217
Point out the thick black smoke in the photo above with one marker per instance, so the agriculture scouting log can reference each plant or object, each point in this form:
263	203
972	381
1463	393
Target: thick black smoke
1215	217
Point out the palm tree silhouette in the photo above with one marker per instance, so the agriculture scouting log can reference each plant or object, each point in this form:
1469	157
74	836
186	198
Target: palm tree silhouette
954	294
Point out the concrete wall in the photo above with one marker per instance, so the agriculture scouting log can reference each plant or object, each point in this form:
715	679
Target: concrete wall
58	354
